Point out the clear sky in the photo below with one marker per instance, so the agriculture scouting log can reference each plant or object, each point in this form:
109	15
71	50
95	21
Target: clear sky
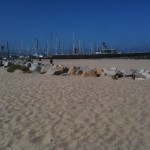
125	23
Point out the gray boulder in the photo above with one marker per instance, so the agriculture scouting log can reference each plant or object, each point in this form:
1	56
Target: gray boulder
28	64
130	73
113	69
108	72
7	63
35	67
50	71
19	62
85	69
146	74
45	68
141	71
138	75
118	75
57	70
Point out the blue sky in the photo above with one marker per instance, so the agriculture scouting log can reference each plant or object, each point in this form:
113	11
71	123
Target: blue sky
123	22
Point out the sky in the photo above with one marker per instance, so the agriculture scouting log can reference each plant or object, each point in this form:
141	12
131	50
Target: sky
119	23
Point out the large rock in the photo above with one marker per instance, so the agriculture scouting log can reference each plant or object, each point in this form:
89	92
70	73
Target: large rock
59	66
7	63
72	70
130	73
57	70
19	62
113	69
85	69
146	74
28	64
50	71
99	71
60	71
118	75
138	75
141	71
90	73
35	67
44	69
79	71
87	72
108	72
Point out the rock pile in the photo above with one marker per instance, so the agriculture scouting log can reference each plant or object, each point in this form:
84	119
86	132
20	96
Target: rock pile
54	69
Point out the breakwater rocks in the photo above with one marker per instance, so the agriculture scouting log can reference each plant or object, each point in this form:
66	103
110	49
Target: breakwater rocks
28	66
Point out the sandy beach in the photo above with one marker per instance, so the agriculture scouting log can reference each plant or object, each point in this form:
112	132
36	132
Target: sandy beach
42	112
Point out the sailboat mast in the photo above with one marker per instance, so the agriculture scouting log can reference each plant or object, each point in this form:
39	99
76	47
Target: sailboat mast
91	49
37	46
7	50
56	46
62	46
47	47
51	42
73	44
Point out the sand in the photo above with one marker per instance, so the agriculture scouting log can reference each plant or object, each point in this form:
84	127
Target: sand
42	112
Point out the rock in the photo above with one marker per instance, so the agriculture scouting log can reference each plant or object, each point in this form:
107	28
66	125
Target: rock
99	71
123	71
28	64
57	70
138	75
96	72
35	67
50	71
146	74
55	66
113	69
147	71
109	73
61	71
7	63
60	67
72	70
141	71
19	62
130	73
44	69
64	74
79	72
91	73
65	69
85	69
118	74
